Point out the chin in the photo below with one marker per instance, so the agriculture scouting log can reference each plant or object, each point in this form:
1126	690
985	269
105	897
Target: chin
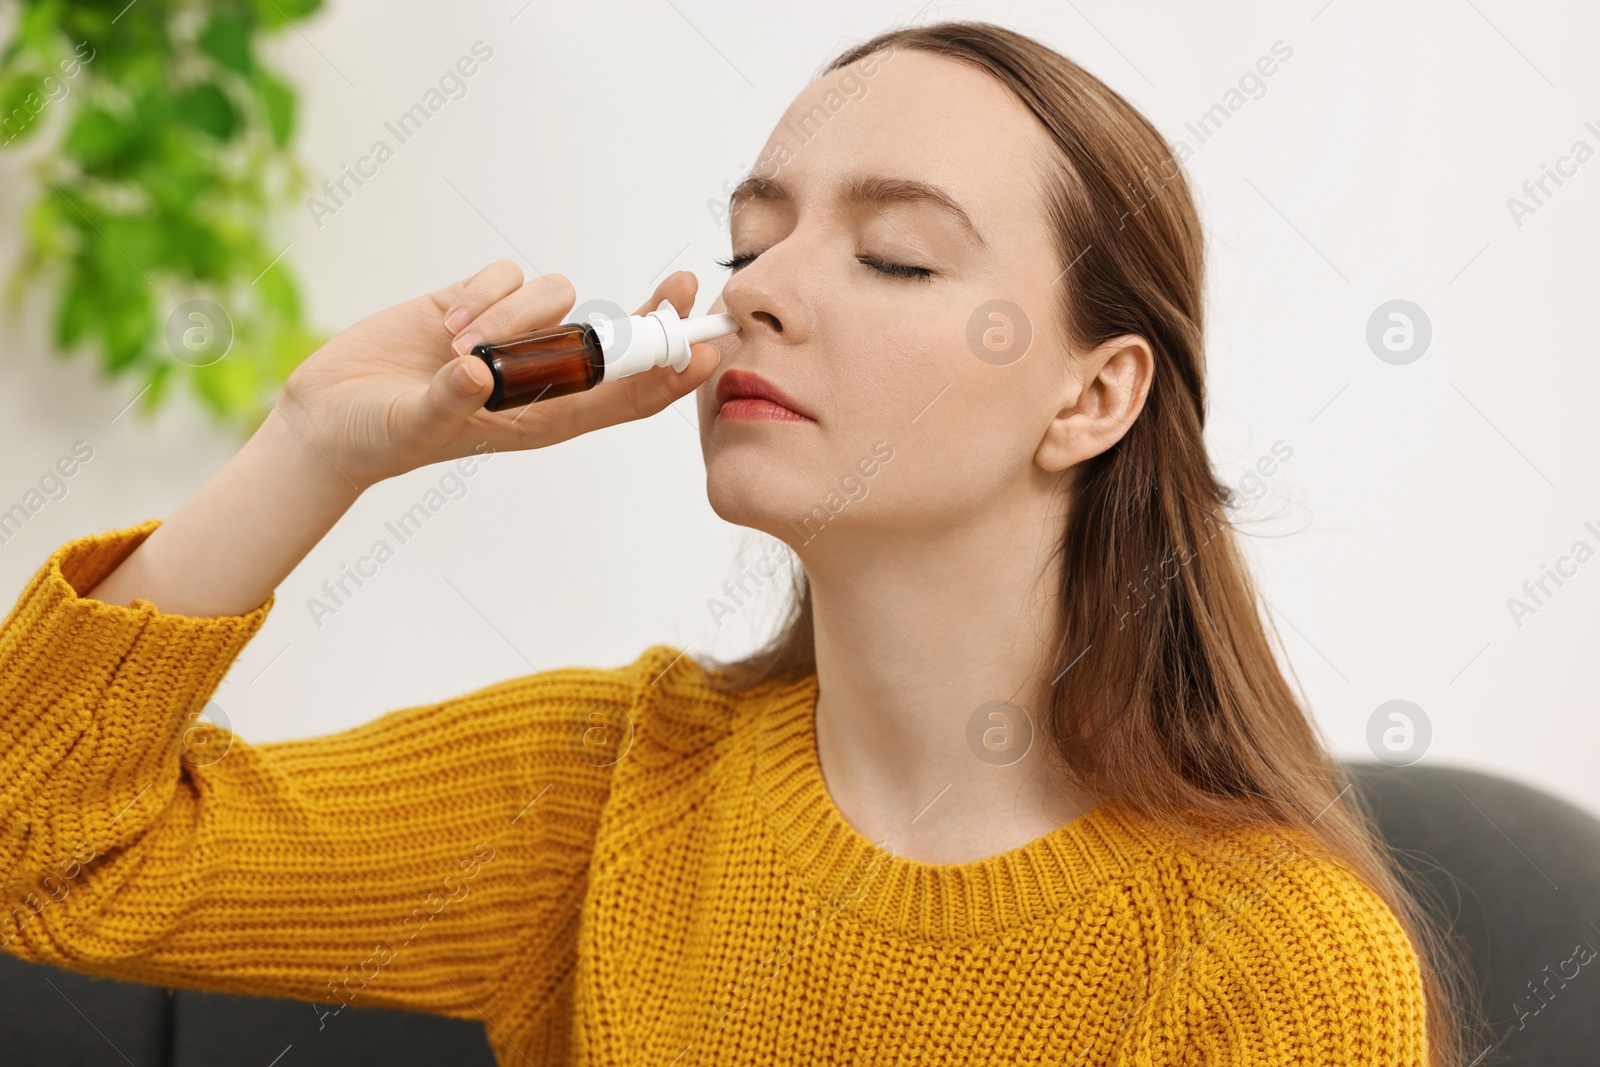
761	493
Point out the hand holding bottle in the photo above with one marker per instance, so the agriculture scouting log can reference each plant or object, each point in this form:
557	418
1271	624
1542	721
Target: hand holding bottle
381	398
400	389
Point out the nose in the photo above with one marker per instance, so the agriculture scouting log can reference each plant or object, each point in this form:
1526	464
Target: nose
765	299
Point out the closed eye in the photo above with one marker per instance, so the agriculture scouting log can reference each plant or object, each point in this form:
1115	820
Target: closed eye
898	270
882	266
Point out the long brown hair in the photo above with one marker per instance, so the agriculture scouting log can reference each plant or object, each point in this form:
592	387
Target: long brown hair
1167	699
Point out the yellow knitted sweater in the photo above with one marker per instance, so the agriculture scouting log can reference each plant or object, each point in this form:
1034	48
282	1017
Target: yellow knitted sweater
622	866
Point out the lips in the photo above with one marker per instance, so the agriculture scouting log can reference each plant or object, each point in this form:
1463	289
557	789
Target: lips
742	384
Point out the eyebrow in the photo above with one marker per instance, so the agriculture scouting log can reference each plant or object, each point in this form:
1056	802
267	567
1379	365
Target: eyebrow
863	189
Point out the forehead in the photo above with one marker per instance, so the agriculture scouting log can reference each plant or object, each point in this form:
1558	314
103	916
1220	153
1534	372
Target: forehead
912	114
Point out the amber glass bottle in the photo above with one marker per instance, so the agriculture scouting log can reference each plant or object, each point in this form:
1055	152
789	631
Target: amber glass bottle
545	363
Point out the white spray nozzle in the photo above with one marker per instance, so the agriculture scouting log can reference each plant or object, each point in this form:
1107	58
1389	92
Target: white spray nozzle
659	339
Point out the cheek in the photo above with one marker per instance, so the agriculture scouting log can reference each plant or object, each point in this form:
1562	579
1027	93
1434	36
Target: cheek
888	384
965	448
702	405
959	429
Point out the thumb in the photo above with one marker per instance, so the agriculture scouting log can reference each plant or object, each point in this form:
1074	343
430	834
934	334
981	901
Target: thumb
458	389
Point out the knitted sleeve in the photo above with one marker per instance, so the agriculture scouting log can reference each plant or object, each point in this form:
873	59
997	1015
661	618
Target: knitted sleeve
1294	961
432	859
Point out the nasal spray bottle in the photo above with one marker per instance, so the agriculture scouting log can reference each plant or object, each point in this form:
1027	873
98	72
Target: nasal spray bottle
576	356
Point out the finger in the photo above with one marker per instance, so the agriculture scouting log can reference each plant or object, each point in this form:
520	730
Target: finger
480	291
680	288
544	301
456	390
637	396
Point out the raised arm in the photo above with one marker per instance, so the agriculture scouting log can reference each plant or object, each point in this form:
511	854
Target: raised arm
432	859
390	394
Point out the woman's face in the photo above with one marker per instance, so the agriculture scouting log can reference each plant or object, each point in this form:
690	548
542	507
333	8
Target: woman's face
927	398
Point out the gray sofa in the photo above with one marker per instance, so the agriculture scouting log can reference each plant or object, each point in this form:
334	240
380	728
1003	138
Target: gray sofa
1516	871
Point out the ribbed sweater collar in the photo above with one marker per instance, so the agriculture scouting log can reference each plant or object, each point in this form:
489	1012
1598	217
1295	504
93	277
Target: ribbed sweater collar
934	901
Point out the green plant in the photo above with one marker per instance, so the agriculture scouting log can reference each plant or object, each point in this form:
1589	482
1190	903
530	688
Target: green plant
173	154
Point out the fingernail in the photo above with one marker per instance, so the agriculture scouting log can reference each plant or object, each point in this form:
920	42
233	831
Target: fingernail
465	378
464	342
457	319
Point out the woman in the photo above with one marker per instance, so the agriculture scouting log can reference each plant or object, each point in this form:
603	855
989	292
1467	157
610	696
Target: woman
1020	780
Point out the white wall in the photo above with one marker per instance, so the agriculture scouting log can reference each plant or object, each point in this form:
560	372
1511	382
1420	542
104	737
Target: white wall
1376	165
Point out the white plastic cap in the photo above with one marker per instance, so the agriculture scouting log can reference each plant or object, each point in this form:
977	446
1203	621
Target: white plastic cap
659	339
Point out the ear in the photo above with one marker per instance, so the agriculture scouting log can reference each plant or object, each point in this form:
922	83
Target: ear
1102	391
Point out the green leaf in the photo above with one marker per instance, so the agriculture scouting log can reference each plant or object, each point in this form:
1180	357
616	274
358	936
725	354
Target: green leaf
22	102
196	249
138	240
47	229
206	108
117	283
278	295
160	378
226	39
153	109
275	14
78	312
95	136
277	100
129	326
228	385
39	25
88	27
175	171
